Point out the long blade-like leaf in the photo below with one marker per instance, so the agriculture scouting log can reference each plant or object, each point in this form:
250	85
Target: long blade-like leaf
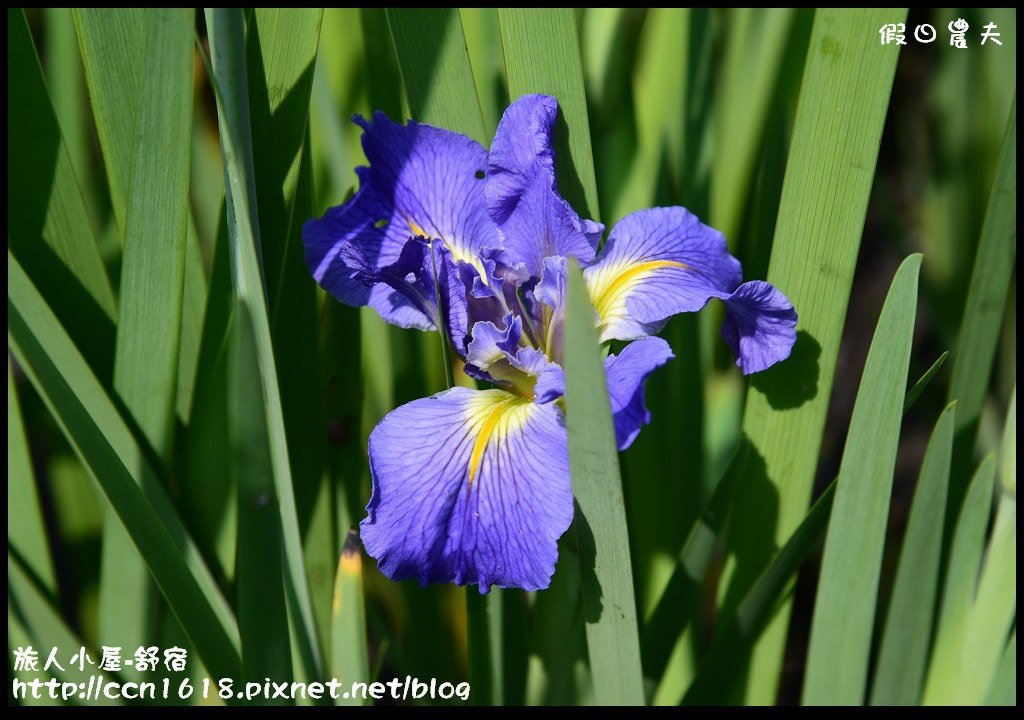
48	227
146	359
227	47
994	609
106	446
112	41
607	579
843	100
903	655
542	55
33	622
152	275
1004	685
755	610
349	659
756	41
26	533
986	300
259	576
844	607
437	75
945	670
982	321
281	50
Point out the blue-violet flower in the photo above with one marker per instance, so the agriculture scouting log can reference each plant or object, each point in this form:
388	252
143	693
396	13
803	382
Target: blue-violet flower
472	486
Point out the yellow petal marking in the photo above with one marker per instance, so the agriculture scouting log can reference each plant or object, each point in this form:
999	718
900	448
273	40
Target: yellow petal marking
607	297
416	229
458	253
487	429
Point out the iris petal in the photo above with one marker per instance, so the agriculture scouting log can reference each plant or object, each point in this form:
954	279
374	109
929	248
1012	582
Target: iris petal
422	181
663	261
469	486
760	326
522	193
627	372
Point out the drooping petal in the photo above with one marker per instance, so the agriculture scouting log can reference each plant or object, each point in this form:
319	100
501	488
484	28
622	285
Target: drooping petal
760	326
469	486
422	181
663	261
627	372
522	193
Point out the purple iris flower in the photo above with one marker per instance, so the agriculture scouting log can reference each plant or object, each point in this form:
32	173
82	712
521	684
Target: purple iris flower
472	486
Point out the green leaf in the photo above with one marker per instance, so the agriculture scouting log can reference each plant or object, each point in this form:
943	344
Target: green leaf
755	45
558	642
484	667
915	392
681	595
661	78
26	532
1008	449
112	42
1004	685
437	75
259	576
32	621
66	82
107	448
841	111
994	608
227	48
483	41
903	654
48	226
349	659
995	605
146	358
603	538
281	50
152	272
983	313
945	672
542	55
207	490
759	605
844	606
990	280
193	302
